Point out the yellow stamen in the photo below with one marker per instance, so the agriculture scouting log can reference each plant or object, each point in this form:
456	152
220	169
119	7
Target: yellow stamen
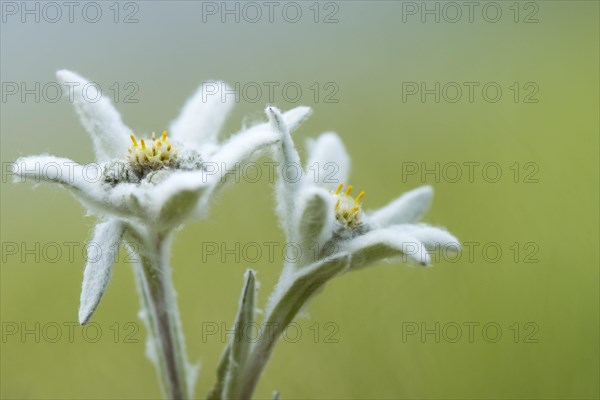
360	196
152	153
346	211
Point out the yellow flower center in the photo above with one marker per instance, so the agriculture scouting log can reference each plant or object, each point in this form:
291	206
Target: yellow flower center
154	155
348	210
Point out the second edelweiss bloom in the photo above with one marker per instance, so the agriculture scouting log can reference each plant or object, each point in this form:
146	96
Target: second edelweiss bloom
334	235
320	212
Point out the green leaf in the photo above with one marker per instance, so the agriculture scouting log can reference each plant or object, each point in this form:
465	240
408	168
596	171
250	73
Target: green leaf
240	345
216	392
302	286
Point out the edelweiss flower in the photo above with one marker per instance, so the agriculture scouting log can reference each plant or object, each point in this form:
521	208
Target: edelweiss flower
334	235
147	186
320	214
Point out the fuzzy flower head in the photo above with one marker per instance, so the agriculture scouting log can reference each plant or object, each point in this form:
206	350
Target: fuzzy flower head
327	214
158	182
149	185
323	218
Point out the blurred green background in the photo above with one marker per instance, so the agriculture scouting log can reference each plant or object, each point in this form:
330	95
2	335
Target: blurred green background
547	310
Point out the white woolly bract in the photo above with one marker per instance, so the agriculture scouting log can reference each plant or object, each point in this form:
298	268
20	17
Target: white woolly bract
154	198
407	208
316	219
279	125
100	119
249	143
432	236
203	115
287	156
296	116
104	247
53	169
328	161
90	191
381	244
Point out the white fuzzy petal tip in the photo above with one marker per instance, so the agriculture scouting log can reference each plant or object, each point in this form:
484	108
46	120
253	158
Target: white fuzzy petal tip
97	115
276	120
296	116
289	121
409	207
434	237
386	244
98	270
50	169
247	145
327	155
81	180
203	115
279	125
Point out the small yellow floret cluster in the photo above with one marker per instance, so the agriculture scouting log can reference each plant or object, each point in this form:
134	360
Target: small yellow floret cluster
155	155
348	210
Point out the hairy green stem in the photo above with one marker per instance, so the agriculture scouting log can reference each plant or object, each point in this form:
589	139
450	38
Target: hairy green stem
160	306
256	364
